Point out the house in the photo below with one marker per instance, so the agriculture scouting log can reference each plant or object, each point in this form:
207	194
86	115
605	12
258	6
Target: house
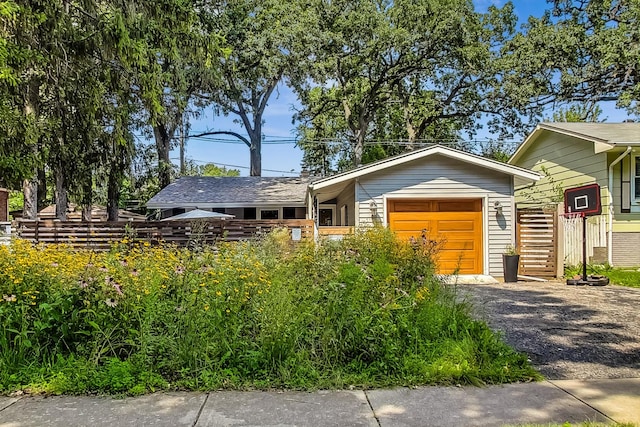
574	154
251	197
463	201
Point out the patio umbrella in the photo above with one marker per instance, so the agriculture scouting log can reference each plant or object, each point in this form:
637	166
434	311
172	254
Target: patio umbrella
198	214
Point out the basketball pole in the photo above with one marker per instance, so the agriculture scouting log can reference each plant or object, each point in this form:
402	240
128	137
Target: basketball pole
584	247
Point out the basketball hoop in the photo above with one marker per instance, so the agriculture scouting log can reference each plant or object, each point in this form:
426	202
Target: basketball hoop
581	202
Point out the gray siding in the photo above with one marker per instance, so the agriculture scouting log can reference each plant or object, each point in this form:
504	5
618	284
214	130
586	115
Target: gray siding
441	177
347	198
625	249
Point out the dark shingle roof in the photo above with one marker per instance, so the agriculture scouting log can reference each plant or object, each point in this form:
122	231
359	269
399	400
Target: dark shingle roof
199	191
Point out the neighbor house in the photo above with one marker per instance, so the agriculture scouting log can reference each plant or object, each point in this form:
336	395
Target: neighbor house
463	201
573	154
250	197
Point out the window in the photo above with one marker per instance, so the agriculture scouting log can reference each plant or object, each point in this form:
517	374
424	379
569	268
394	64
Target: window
636	178
249	213
269	214
326	215
289	213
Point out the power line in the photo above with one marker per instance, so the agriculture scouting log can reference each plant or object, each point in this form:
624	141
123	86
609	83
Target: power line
292	172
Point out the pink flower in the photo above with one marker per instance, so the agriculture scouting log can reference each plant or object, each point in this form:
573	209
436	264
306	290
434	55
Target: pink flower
117	288
83	284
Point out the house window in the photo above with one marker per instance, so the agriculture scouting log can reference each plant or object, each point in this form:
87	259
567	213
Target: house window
289	213
326	215
269	214
249	213
636	178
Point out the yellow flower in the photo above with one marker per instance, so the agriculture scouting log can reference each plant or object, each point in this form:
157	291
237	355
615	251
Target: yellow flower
218	293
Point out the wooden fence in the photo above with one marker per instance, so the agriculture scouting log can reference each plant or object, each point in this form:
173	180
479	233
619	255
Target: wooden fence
537	237
100	236
596	237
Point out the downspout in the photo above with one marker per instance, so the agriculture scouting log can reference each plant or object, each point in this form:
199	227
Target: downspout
610	214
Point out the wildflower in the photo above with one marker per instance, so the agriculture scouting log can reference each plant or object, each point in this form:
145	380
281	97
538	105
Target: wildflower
9	298
82	284
179	269
54	264
206	308
108	280
123	263
117	288
111	302
134	272
103	269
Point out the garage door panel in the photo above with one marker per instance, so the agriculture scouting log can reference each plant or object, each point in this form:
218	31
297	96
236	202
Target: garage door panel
457	226
458	232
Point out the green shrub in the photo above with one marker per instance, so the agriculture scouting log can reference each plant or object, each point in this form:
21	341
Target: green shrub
367	311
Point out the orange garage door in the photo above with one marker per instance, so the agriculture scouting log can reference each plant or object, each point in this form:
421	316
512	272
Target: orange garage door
455	224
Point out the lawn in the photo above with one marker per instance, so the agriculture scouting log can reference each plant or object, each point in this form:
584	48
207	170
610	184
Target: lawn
364	312
629	277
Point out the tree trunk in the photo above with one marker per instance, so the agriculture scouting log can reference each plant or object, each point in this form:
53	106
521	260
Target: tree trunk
87	199
255	151
113	194
30	191
358	148
30	185
42	187
163	146
62	202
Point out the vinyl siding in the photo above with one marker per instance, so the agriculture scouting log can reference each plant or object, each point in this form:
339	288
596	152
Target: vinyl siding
568	161
441	177
622	222
347	197
625	249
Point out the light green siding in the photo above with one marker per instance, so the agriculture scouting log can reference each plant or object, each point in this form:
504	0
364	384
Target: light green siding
564	162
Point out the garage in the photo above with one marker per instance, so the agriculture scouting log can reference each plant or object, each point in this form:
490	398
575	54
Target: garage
454	224
463	201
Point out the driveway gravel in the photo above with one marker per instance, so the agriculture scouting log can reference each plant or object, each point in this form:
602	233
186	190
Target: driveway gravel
569	332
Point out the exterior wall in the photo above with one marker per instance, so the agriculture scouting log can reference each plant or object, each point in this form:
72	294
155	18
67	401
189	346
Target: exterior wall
568	162
622	222
625	249
346	198
442	177
4	205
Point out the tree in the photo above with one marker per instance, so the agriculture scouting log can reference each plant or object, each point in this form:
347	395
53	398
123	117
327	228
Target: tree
425	70
170	59
580	51
269	42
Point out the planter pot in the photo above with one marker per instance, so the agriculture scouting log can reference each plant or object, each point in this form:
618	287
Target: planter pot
510	264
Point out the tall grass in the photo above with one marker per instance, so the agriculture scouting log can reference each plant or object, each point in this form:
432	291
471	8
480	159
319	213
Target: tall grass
364	312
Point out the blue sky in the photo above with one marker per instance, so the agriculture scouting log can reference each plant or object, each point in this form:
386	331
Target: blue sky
283	159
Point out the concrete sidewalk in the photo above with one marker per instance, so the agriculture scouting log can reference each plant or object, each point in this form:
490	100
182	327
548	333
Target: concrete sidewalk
615	400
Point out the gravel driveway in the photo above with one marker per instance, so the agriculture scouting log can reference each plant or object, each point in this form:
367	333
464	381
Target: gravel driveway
569	332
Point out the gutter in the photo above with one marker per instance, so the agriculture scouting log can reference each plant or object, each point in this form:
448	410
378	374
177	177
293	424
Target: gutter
610	214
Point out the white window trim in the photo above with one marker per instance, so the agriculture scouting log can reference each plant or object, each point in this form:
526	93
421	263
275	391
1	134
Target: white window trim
634	201
333	212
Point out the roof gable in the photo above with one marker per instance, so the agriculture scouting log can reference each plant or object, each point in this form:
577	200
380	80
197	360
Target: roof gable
604	136
462	156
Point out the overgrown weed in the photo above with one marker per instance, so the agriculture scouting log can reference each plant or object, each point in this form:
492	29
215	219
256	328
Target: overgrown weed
364	312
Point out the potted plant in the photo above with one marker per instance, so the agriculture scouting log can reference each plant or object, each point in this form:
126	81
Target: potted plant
510	264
